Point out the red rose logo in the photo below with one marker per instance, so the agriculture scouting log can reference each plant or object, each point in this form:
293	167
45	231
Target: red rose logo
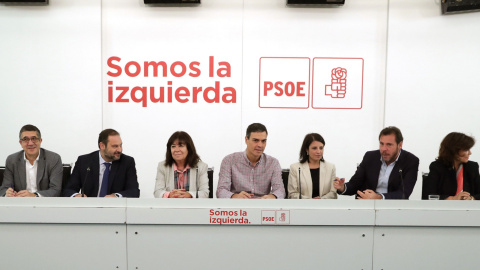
338	88
339	73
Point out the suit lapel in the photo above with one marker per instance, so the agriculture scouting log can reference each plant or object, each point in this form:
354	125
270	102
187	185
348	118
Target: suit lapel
40	168
111	176
306	180
94	174
193	179
395	171
22	172
323	179
376	171
169	177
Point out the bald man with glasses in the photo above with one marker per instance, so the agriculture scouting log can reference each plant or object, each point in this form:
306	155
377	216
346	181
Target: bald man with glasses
34	171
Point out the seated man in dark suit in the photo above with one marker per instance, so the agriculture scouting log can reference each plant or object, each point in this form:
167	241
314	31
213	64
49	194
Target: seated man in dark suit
388	173
33	172
104	173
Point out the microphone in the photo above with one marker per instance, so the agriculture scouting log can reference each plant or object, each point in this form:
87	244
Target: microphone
299	185
85	181
403	186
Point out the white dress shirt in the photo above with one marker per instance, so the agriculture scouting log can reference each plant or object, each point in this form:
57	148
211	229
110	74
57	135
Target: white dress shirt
31	174
384	175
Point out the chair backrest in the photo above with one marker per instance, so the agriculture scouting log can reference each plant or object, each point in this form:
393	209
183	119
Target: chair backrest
67	171
285	173
425	184
210	182
2	171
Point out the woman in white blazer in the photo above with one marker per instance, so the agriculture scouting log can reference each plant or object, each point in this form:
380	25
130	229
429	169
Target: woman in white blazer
182	174
316	175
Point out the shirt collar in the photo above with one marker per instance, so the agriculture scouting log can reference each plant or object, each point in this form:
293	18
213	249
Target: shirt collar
262	157
184	170
38	157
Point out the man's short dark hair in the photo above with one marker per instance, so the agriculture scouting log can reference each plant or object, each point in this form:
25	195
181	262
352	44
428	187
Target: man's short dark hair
255	127
103	136
392	130
29	128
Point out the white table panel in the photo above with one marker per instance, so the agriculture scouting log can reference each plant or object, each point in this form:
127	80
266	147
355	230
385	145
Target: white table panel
427	213
426	248
296	212
148	233
253	247
63	246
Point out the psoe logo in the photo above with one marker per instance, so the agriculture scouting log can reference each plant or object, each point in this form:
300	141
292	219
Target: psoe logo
283	217
338	87
337	83
284	82
268	217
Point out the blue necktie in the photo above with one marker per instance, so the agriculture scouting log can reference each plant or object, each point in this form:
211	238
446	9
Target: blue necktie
103	189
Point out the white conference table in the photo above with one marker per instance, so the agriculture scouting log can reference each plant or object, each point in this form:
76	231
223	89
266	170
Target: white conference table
98	233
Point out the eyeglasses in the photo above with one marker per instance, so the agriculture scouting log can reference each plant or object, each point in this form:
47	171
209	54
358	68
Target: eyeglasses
27	139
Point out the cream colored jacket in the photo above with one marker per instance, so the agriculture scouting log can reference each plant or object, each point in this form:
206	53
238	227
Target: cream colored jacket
327	176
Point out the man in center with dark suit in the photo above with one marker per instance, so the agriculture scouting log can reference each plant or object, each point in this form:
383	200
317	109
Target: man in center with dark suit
104	173
387	173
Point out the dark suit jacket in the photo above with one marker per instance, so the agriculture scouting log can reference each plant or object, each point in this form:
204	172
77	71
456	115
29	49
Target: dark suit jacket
366	176
442	180
122	178
49	173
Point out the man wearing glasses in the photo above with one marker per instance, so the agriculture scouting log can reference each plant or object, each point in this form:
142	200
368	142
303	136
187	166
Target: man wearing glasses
34	171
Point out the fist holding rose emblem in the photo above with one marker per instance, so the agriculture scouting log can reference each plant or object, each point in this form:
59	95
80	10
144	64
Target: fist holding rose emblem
339	73
338	88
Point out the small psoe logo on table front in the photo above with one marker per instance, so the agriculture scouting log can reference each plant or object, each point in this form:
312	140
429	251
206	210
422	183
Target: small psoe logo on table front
338	88
283	217
275	217
268	217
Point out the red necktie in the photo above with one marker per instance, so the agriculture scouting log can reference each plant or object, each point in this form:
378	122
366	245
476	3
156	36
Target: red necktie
459	181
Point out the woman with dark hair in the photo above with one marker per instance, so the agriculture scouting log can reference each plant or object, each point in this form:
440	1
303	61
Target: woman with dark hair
182	174
316	175
452	176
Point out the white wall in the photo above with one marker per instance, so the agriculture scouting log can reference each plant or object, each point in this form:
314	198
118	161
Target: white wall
135	32
50	75
419	74
432	76
273	30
